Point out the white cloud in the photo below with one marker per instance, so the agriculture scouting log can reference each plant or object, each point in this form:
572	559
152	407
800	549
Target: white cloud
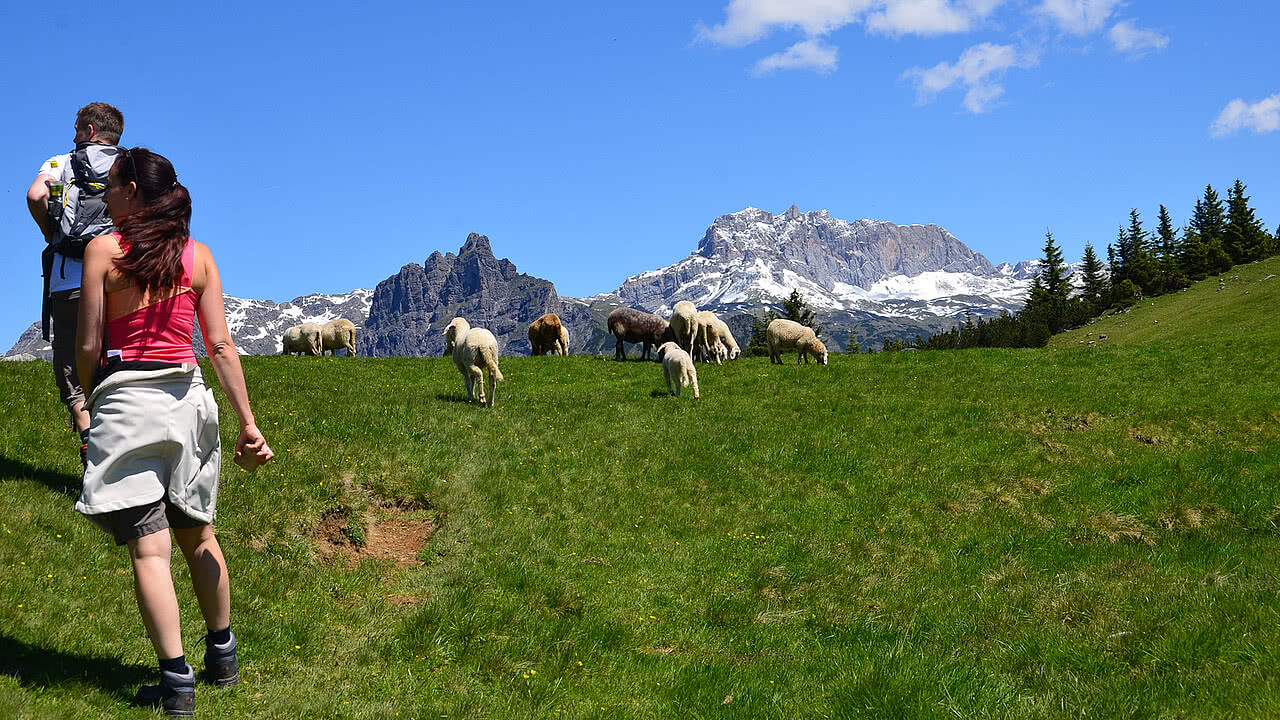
1261	117
806	55
929	17
747	21
978	69
1078	17
1129	38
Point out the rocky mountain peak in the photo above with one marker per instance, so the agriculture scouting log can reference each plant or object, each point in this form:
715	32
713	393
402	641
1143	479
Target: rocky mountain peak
411	308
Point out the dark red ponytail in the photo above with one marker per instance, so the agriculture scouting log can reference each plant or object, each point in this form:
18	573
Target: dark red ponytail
157	232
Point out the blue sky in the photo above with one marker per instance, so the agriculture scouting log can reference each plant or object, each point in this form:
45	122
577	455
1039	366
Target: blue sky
328	144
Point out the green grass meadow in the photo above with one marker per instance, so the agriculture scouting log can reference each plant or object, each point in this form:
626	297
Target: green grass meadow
1080	531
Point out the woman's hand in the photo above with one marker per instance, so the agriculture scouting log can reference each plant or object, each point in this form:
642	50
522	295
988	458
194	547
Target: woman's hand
252	449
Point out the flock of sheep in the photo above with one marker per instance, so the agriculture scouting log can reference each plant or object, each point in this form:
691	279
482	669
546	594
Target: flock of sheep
314	338
688	336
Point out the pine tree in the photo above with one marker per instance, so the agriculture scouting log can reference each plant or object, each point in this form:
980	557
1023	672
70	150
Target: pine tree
1122	264
1209	221
798	310
1141	268
758	344
1171	278
1050	290
1243	235
1193	260
1109	296
1093	290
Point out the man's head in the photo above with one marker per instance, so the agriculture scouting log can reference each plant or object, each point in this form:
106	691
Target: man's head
99	122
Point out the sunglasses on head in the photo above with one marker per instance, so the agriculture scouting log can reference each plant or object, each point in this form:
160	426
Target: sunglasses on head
132	165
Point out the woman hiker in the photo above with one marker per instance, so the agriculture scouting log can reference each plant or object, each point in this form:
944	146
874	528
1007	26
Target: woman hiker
154	449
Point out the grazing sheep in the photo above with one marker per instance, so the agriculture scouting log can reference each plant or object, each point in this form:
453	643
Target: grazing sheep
785	335
339	334
303	339
732	351
677	369
684	323
548	335
715	340
637	326
474	350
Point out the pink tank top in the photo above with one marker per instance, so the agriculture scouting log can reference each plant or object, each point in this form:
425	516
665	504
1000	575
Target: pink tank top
160	332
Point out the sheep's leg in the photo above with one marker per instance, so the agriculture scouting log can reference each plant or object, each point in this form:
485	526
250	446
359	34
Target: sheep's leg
477	380
619	352
666	375
693	380
466	376
493	389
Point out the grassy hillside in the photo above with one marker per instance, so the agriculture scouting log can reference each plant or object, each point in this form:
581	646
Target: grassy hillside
1084	530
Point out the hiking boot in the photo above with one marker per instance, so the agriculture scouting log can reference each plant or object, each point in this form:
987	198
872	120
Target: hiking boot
175	694
84	455
221	668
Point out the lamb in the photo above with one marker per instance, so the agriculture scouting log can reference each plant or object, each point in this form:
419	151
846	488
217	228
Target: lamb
303	339
684	323
474	350
548	334
340	333
785	335
636	326
677	369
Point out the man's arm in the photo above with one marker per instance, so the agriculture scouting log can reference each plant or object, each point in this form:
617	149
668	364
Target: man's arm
38	204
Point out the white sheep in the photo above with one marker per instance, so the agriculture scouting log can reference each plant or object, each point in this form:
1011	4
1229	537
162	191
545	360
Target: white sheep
684	323
339	334
303	339
788	335
474	350
715	340
725	335
678	369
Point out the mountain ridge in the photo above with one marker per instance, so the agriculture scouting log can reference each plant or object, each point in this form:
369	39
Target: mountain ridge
867	279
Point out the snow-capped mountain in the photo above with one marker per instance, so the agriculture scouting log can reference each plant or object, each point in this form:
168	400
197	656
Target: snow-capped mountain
869	280
255	325
753	257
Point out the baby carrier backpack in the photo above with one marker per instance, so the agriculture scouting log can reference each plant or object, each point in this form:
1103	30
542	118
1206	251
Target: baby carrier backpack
80	214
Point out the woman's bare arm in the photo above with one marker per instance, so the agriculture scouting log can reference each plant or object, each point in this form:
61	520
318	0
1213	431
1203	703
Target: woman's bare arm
218	343
251	447
93	308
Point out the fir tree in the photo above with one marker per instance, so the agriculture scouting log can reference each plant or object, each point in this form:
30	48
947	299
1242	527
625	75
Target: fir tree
1141	267
1122	262
1209	221
758	344
798	310
1093	289
1243	234
1170	276
1193	260
1112	280
1050	290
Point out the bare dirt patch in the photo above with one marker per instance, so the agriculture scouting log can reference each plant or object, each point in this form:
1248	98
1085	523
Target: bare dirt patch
388	533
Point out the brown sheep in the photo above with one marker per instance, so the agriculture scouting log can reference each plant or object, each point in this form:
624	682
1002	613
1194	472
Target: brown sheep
548	335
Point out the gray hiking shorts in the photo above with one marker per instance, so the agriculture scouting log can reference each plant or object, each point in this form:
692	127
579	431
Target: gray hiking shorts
135	522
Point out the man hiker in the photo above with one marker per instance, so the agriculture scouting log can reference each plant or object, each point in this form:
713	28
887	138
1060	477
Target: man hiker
67	202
